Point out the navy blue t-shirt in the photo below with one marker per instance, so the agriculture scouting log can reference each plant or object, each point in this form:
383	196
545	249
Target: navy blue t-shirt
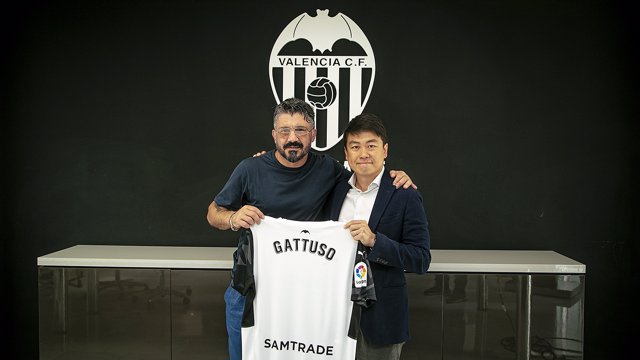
279	191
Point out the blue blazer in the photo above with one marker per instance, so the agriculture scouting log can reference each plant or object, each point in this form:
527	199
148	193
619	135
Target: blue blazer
402	244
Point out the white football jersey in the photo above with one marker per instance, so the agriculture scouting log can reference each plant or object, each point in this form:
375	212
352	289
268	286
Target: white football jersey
303	280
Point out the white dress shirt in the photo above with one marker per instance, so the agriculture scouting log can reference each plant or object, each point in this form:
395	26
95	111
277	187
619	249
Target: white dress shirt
358	204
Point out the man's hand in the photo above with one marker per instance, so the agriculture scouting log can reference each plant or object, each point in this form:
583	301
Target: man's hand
400	178
360	231
246	216
259	153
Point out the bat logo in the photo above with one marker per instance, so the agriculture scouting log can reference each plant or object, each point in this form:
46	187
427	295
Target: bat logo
305	232
322	31
328	62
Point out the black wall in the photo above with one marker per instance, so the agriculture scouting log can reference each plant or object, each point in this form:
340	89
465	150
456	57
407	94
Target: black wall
517	119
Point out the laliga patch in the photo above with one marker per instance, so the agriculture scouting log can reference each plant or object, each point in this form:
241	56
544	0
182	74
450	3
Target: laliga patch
360	275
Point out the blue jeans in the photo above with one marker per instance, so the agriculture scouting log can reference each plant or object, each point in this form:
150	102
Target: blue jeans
234	309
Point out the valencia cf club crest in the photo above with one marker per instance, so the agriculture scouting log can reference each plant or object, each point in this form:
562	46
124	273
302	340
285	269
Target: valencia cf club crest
328	62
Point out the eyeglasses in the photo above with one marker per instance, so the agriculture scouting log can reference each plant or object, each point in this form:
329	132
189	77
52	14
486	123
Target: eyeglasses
299	131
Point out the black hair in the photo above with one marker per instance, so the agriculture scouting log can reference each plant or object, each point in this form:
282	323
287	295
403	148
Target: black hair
366	122
295	106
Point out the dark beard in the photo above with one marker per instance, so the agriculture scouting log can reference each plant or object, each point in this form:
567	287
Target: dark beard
296	153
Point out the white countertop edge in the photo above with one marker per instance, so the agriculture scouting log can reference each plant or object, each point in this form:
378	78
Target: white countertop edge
137	263
507	268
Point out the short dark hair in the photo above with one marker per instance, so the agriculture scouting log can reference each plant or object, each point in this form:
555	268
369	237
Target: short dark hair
295	106
366	122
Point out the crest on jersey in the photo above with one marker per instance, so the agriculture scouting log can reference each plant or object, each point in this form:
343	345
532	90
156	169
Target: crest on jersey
328	62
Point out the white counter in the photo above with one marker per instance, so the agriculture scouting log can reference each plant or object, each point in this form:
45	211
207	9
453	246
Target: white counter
504	261
176	257
168	257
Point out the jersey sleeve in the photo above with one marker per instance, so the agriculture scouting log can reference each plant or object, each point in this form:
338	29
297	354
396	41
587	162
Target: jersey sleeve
364	296
242	274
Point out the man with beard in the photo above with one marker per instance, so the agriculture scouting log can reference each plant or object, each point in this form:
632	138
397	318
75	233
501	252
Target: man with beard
288	182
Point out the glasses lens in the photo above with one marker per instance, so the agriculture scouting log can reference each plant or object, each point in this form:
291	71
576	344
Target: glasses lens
298	131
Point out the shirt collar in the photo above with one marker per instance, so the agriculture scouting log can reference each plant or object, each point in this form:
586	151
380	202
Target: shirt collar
374	184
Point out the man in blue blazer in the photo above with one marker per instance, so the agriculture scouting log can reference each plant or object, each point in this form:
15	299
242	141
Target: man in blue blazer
391	224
